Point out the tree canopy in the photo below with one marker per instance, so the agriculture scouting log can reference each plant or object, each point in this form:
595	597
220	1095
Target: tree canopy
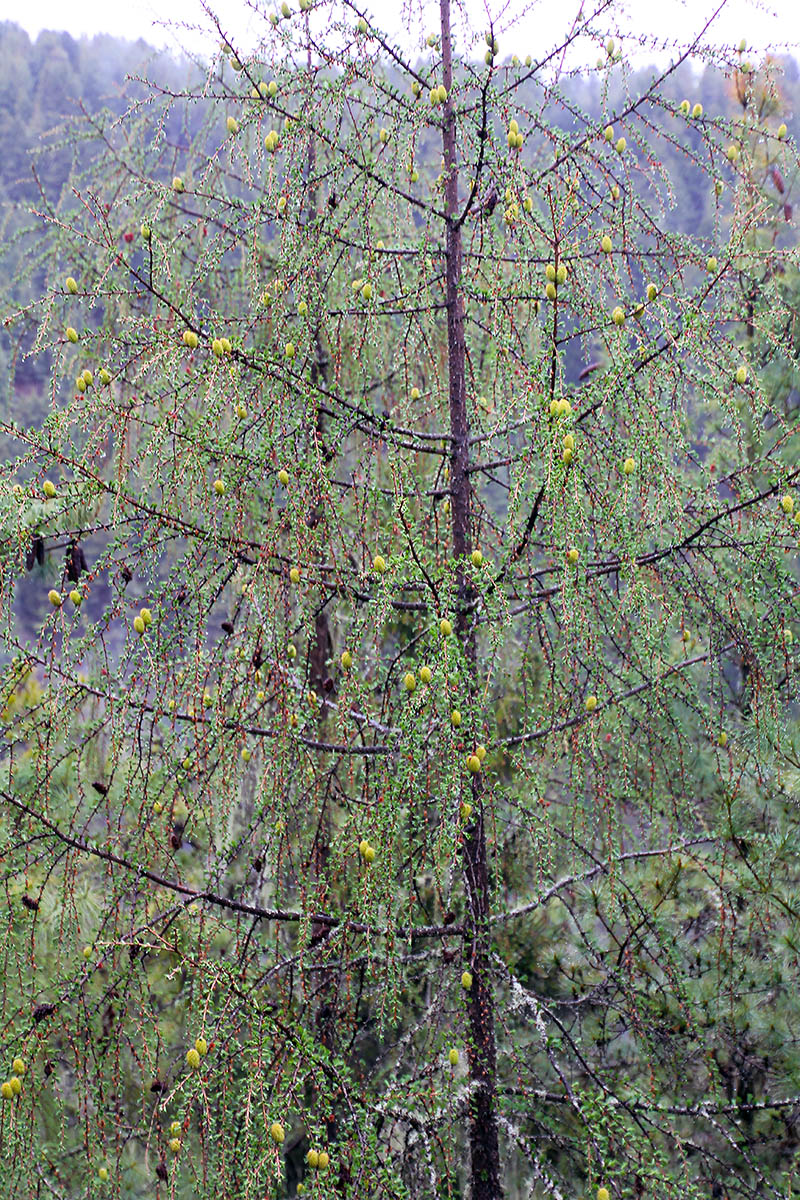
399	569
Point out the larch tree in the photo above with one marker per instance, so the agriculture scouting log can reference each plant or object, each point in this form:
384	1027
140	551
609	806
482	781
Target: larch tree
398	790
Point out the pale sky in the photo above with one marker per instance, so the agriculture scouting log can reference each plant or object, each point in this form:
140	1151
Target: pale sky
763	22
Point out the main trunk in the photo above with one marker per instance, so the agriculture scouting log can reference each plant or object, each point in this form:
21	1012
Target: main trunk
484	1149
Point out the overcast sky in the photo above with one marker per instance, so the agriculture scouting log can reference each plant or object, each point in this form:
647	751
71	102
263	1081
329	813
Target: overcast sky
763	22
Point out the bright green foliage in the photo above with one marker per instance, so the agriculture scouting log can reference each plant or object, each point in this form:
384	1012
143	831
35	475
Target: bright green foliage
301	882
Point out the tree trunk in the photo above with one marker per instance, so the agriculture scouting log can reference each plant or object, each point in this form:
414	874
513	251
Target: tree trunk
482	1055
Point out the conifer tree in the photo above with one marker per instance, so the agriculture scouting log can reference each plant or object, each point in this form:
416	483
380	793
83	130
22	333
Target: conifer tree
397	794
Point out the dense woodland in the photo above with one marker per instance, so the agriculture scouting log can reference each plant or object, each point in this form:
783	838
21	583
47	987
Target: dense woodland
399	598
